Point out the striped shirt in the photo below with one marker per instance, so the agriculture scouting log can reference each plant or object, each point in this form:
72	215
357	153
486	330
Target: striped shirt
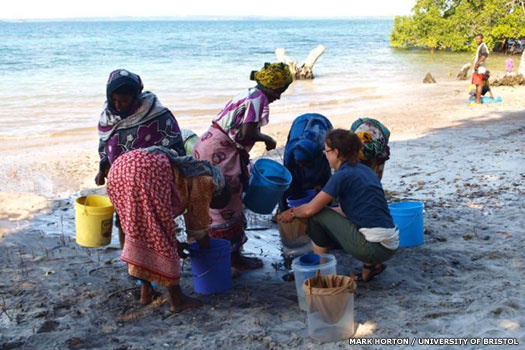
250	106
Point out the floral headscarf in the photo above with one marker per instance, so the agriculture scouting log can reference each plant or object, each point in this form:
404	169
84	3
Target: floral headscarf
374	136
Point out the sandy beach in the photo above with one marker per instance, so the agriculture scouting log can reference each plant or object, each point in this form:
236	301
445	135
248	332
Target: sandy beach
465	163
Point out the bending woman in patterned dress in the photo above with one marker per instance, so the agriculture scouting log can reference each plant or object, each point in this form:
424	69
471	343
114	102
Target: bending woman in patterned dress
226	144
150	187
304	157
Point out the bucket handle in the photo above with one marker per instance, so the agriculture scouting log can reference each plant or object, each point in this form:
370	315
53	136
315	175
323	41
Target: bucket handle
207	271
85	207
410	222
204	273
278	152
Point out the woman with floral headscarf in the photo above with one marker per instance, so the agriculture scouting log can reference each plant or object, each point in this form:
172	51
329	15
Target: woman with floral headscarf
132	119
226	144
374	137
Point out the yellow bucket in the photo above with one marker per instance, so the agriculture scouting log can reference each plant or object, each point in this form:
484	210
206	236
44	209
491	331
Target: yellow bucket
94	220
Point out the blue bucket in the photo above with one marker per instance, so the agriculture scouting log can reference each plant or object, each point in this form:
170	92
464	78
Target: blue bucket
310	259
268	181
211	268
408	217
306	198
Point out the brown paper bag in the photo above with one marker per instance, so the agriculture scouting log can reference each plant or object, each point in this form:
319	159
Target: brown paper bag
293	234
329	295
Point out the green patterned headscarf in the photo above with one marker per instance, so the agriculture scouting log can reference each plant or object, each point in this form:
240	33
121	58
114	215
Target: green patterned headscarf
274	76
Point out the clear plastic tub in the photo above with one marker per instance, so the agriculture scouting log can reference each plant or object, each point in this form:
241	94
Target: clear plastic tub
325	331
327	266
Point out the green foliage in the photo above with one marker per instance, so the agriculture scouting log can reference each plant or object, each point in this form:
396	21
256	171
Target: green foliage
453	24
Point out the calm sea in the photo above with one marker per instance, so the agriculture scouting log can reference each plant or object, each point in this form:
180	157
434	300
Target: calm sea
53	74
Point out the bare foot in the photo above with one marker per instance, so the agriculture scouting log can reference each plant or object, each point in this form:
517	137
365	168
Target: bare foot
146	293
180	302
241	262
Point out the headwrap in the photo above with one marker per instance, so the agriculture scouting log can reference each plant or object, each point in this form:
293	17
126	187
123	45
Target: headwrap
191	167
274	76
374	136
306	138
304	151
119	78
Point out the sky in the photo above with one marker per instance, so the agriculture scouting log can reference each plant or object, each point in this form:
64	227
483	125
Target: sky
59	9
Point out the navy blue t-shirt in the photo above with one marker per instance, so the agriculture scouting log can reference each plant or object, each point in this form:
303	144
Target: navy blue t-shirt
360	195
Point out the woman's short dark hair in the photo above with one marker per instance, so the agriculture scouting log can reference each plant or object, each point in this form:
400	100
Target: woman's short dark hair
346	143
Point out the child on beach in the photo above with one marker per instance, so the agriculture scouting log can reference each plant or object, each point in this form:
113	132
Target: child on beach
509	66
485	88
362	224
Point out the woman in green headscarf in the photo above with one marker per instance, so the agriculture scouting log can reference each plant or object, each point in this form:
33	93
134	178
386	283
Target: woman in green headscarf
374	136
226	144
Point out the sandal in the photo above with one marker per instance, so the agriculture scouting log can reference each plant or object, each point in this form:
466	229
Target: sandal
373	272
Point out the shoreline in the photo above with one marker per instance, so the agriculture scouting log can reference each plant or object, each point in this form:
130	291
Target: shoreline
66	162
465	281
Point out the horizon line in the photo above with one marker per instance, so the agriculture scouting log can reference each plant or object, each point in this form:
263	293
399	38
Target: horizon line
185	18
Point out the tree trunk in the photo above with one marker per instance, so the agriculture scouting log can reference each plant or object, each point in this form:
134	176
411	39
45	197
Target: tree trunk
281	57
305	70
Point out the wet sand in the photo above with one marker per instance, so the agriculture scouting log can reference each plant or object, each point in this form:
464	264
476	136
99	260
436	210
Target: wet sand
465	163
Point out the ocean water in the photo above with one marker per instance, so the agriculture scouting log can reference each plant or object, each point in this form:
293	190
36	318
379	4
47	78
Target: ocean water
53	74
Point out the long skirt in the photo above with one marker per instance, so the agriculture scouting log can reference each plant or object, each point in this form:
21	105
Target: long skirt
229	222
142	190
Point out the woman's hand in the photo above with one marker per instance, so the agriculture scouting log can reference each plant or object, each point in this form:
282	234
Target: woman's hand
204	242
286	216
100	179
321	200
250	132
270	143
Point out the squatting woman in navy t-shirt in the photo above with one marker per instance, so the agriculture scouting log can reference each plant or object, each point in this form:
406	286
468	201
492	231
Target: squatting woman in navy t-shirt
362	224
